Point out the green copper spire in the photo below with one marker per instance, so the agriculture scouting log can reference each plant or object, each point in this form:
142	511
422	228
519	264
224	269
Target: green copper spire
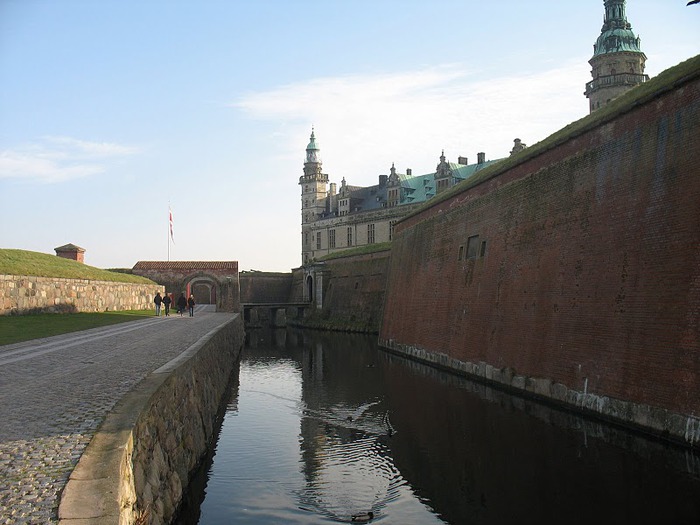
312	144
313	152
616	34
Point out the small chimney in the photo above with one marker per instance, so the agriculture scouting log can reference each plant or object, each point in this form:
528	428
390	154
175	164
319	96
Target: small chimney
409	172
72	252
480	158
334	187
464	161
517	146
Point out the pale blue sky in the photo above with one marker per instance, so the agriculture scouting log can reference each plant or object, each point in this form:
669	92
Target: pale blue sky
110	109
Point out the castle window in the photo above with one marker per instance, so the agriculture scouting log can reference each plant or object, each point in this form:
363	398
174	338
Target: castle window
391	229
370	234
473	247
331	238
349	236
318	240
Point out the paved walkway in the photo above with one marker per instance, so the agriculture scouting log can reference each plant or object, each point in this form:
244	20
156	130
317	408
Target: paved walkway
55	392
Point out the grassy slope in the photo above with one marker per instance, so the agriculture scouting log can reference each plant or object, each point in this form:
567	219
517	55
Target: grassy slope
23	262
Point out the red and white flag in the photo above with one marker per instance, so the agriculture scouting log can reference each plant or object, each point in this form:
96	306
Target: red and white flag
171	225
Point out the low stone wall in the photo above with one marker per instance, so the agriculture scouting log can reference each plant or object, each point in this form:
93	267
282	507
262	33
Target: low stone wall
22	294
681	428
138	466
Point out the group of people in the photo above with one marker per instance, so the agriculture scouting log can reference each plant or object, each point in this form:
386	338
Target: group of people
182	303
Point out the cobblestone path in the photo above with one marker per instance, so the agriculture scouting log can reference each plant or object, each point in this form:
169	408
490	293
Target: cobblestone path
55	392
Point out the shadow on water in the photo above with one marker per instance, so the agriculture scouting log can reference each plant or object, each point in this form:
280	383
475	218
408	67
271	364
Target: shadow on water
190	508
336	426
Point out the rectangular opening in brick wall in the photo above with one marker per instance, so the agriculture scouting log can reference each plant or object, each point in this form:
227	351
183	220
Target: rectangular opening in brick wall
472	247
482	252
461	253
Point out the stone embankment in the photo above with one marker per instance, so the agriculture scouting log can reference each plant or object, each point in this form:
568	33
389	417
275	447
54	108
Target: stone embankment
138	465
23	294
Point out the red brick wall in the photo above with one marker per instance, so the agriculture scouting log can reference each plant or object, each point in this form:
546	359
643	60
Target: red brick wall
591	274
265	287
354	287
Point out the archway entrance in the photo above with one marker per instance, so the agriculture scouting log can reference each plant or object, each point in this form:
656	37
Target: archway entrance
204	291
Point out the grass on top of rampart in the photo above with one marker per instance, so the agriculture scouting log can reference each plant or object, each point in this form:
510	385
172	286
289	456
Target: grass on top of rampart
641	94
359	250
24	262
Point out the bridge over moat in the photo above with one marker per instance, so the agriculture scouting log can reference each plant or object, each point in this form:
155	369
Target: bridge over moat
273	314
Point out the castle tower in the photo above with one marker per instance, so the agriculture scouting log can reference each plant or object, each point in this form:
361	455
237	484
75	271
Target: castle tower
618	62
313	193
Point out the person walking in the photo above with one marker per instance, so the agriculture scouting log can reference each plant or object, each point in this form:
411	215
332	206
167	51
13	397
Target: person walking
181	304
190	304
166	303
158	300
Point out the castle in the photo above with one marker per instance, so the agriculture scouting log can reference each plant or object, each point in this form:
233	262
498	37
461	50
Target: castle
335	219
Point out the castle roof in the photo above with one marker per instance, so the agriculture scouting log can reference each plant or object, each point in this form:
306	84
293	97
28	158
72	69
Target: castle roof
186	265
69	248
416	188
616	34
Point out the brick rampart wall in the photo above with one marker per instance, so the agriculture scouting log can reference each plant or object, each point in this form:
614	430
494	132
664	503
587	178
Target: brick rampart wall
354	289
27	294
264	287
588	287
352	295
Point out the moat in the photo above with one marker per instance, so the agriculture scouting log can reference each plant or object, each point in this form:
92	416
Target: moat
321	427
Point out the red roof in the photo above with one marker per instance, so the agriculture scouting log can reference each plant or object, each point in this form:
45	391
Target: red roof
186	265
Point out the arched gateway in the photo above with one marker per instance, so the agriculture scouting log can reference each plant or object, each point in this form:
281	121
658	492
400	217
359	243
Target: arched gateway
211	282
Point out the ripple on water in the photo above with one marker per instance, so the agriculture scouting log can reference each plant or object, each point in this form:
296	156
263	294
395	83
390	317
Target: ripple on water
279	459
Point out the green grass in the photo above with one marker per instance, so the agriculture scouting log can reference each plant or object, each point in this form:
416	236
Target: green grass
360	250
18	328
23	262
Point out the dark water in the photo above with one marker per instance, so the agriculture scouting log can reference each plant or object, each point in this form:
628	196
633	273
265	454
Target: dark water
320	427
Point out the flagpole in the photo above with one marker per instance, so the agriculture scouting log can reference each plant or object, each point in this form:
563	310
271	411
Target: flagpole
169	231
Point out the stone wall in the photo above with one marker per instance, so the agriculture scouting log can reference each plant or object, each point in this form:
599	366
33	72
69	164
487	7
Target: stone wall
573	272
137	467
265	287
29	294
352	293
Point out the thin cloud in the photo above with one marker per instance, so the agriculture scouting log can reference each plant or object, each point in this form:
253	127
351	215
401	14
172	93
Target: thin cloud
56	159
364	123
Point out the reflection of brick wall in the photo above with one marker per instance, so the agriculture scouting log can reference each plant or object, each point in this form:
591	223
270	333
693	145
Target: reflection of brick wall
22	294
589	278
